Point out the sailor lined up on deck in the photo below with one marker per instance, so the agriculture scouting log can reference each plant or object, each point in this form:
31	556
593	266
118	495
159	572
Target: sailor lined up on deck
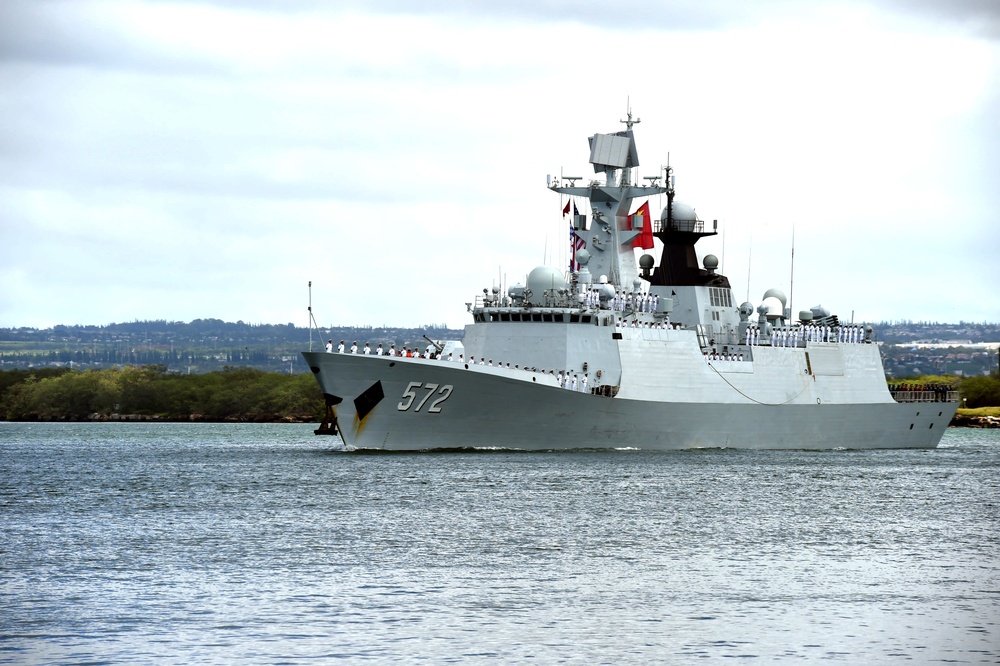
789	336
724	356
659	325
329	346
637	302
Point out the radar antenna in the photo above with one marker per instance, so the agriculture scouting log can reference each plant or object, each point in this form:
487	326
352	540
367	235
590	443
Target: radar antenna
628	123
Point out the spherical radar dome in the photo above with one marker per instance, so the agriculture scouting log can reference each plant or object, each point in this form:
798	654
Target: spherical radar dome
776	293
682	212
543	278
772	306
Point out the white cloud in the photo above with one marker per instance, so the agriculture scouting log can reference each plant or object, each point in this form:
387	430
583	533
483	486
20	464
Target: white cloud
183	160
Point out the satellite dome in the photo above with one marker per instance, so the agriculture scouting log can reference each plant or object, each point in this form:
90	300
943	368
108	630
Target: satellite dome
545	278
776	293
582	257
805	315
682	212
711	262
772	307
603	279
646	261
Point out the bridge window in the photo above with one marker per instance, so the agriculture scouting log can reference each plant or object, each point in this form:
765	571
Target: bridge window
722	298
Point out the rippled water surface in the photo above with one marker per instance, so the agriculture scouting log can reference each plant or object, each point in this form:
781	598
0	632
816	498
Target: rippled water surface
130	543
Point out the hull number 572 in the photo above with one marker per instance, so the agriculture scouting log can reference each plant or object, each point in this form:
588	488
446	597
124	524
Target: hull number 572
410	395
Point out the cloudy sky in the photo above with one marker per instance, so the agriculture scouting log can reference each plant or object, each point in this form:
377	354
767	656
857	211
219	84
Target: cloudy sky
184	160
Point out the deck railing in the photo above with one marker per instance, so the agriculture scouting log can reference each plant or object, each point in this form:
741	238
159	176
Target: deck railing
925	396
697	226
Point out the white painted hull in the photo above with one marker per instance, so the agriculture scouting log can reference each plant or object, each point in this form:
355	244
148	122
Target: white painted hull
455	406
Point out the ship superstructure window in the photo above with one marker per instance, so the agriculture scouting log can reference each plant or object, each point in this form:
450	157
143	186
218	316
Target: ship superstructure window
543	317
550	317
721	297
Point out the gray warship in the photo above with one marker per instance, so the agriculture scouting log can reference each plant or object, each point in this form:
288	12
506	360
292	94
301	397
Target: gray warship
624	352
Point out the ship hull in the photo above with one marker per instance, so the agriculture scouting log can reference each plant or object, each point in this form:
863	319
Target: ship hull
398	403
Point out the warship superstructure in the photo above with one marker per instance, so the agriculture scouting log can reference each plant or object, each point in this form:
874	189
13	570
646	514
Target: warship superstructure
620	352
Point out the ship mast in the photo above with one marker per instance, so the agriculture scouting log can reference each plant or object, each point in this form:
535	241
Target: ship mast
607	233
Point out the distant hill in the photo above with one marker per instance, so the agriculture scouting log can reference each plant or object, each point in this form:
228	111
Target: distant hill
202	345
908	331
206	345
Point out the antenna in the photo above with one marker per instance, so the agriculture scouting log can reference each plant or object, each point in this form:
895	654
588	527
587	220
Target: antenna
749	264
312	319
628	123
791	278
722	264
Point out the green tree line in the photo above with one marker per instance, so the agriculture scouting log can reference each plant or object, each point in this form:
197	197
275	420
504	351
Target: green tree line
241	394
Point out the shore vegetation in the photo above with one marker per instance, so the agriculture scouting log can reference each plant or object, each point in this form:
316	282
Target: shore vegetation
232	394
248	394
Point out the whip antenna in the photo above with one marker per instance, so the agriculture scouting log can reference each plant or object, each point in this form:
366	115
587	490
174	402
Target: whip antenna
312	319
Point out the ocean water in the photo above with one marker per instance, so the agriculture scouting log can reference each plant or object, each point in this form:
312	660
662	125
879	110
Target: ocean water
199	543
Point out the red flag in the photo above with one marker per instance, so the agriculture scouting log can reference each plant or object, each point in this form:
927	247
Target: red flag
645	239
575	242
566	209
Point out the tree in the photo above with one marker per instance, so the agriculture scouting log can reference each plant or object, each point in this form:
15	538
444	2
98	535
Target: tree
981	391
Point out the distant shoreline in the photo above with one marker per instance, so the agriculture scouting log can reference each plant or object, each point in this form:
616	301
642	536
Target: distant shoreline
969	421
194	418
